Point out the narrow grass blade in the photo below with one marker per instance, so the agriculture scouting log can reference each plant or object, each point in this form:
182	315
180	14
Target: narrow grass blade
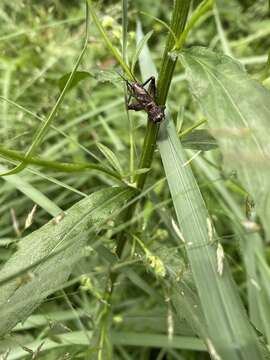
139	48
107	40
118	338
146	63
61	166
111	157
124	29
18	182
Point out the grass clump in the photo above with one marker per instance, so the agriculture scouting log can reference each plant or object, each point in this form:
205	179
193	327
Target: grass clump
106	251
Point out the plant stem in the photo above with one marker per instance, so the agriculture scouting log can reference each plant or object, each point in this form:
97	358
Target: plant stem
194	126
61	166
179	18
178	22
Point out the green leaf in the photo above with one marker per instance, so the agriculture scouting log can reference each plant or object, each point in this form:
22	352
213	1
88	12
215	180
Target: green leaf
139	48
199	140
44	259
20	183
146	339
142	171
76	79
263	288
107	76
220	302
111	157
237	108
250	242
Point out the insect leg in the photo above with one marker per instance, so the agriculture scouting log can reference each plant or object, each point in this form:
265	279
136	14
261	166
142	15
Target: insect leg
151	79
128	99
130	92
135	106
152	88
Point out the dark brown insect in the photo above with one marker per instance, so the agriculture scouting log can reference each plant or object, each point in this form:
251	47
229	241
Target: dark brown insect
145	99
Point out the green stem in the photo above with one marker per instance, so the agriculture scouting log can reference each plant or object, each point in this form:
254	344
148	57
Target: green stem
179	18
204	6
149	146
187	131
61	166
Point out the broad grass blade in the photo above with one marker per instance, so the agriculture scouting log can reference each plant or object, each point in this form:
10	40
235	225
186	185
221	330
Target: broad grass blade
45	258
238	110
230	334
250	242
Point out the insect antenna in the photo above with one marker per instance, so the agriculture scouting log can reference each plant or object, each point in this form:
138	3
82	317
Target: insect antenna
125	79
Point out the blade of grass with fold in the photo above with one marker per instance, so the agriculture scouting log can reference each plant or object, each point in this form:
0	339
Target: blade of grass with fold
230	333
32	193
250	242
45	258
188	304
237	108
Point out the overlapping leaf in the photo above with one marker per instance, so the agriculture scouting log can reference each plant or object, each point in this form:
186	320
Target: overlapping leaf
238	111
44	259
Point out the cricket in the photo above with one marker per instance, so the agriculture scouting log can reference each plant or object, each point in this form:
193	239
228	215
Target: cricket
145	99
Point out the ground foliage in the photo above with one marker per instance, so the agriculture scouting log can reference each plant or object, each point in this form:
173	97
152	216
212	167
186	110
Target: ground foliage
59	296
